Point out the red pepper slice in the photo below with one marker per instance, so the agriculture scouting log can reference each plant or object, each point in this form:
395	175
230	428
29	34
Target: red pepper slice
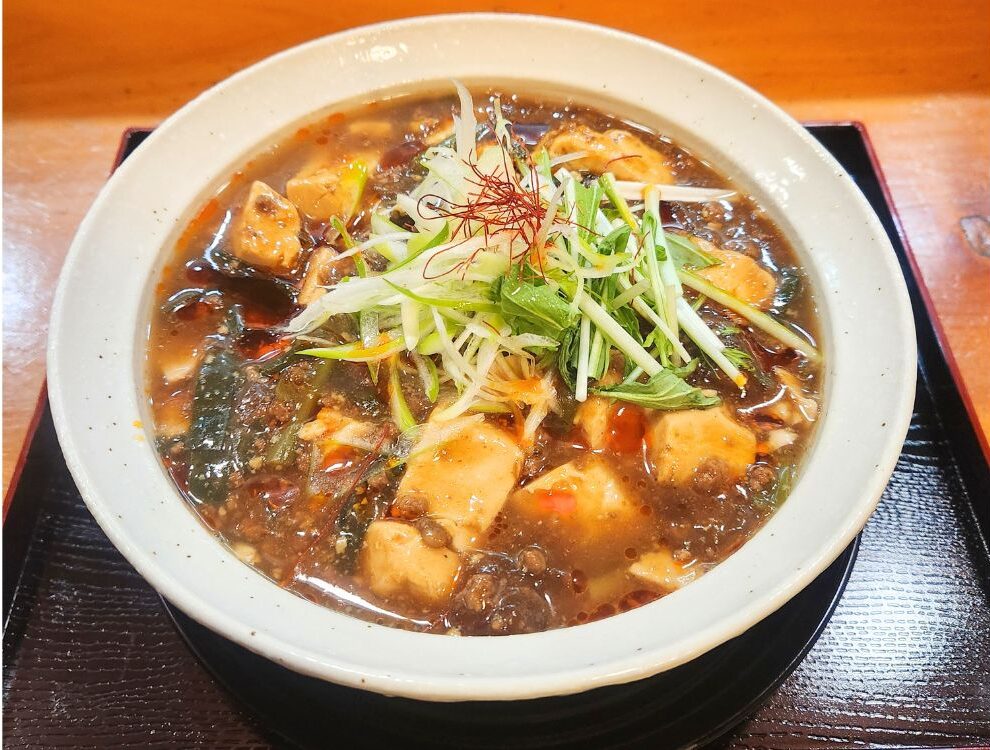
561	502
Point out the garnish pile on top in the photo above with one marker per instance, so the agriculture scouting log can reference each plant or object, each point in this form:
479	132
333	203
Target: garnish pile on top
514	266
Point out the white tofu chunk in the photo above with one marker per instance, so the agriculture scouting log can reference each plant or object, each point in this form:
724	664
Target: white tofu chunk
661	569
328	190
806	405
585	497
739	275
464	480
681	442
615	151
330	429
780	438
395	561
791	405
593	417
266	232
322	270
180	366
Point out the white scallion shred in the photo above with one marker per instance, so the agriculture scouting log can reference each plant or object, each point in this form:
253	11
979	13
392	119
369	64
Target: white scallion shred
432	293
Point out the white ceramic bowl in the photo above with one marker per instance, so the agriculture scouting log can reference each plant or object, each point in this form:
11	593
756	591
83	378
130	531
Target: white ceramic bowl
101	312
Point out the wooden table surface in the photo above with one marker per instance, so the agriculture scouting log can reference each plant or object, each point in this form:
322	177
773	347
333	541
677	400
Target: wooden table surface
916	73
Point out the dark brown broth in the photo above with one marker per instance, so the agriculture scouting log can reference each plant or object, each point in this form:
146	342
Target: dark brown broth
271	522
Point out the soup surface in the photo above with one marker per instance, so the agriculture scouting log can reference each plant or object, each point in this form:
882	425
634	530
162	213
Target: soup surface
482	365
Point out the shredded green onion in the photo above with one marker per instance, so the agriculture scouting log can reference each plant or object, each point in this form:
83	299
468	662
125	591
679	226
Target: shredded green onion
585	279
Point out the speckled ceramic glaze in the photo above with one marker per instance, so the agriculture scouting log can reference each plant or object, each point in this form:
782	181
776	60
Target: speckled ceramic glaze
101	312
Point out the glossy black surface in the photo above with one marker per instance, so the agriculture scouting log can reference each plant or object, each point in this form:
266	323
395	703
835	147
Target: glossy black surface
683	707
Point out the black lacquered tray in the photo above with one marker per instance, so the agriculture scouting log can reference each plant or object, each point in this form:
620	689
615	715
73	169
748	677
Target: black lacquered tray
92	659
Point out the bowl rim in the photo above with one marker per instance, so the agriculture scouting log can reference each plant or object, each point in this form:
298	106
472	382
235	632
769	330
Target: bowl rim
418	682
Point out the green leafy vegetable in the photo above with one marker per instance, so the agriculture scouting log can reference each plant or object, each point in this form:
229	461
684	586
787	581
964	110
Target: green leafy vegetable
614	242
529	307
586	202
740	352
542	161
684	252
741	359
234	268
627	318
212	441
352	184
686	369
359	510
356	352
430	344
788	285
665	390
345	236
470	291
367	320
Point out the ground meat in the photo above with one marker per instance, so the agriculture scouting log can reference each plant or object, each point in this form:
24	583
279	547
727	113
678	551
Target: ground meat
297	374
478	592
408	507
538	459
434	535
715	214
710	476
519	610
760	477
533	560
281	411
378	482
499	597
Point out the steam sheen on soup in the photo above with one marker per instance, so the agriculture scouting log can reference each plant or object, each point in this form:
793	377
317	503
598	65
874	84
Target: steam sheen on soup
482	365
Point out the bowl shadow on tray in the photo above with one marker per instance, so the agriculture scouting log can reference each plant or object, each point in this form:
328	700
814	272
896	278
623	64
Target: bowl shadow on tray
689	706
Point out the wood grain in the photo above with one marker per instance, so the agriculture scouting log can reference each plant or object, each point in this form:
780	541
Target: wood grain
76	74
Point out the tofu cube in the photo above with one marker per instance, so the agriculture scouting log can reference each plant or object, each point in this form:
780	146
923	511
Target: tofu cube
661	569
681	442
465	479
328	190
586	500
330	429
616	151
739	275
593	416
396	562
266	232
